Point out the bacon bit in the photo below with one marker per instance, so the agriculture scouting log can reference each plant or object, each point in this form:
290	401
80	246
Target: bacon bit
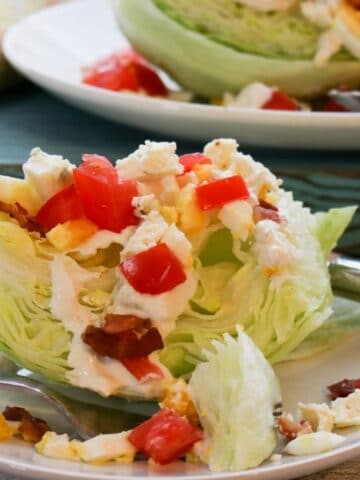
268	205
122	345
354	3
343	388
21	216
115	324
291	429
31	428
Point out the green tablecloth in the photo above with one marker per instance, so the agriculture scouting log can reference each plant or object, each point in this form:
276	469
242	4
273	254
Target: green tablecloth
30	117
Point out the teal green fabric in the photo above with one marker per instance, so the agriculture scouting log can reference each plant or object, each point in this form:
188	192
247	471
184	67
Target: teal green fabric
30	117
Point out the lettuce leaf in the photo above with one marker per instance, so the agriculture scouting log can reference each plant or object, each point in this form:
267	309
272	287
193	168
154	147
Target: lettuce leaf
277	318
247	389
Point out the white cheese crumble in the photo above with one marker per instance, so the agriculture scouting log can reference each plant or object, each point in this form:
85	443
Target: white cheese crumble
47	174
238	218
227	161
274	249
163	309
347	410
153	159
254	95
314	443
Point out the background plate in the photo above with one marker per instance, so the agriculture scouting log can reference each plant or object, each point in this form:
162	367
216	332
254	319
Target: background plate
51	46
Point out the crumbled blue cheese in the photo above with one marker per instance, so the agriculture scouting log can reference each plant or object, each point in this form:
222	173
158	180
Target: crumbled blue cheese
47	174
151	160
346	410
274	249
238	218
252	96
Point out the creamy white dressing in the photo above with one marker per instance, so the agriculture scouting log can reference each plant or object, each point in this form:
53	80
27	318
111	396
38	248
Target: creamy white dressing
103	239
238	218
68	280
162	309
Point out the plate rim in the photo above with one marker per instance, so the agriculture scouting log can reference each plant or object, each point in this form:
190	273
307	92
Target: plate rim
167	106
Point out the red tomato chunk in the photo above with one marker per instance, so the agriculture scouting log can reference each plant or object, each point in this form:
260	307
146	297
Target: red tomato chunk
154	271
165	437
143	369
219	192
105	198
63	206
125	71
280	101
190	160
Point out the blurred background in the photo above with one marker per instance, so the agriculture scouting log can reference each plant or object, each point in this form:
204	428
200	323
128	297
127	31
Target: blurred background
30	116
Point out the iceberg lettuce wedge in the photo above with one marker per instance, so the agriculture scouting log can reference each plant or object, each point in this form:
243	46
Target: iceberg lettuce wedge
209	67
247	389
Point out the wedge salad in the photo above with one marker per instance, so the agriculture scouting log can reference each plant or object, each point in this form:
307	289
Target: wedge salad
131	280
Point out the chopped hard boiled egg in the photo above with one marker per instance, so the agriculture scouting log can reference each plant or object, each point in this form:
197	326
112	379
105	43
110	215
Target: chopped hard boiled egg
71	234
57	446
318	415
314	443
104	448
47	174
99	449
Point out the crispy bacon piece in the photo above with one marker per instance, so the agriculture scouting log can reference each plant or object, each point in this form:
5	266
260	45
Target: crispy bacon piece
31	428
21	216
292	429
266	211
343	388
122	345
115	324
354	3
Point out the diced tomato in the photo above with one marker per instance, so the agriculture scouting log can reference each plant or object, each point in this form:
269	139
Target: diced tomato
219	192
190	160
142	369
63	206
125	71
165	437
153	271
105	198
333	106
280	101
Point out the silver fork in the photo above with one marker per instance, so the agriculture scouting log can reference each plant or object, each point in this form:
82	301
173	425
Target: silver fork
349	100
85	421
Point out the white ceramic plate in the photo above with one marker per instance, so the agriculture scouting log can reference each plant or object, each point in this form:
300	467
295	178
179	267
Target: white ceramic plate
50	48
301	381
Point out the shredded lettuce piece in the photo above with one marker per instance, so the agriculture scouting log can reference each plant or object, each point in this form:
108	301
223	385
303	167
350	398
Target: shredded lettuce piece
236	379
